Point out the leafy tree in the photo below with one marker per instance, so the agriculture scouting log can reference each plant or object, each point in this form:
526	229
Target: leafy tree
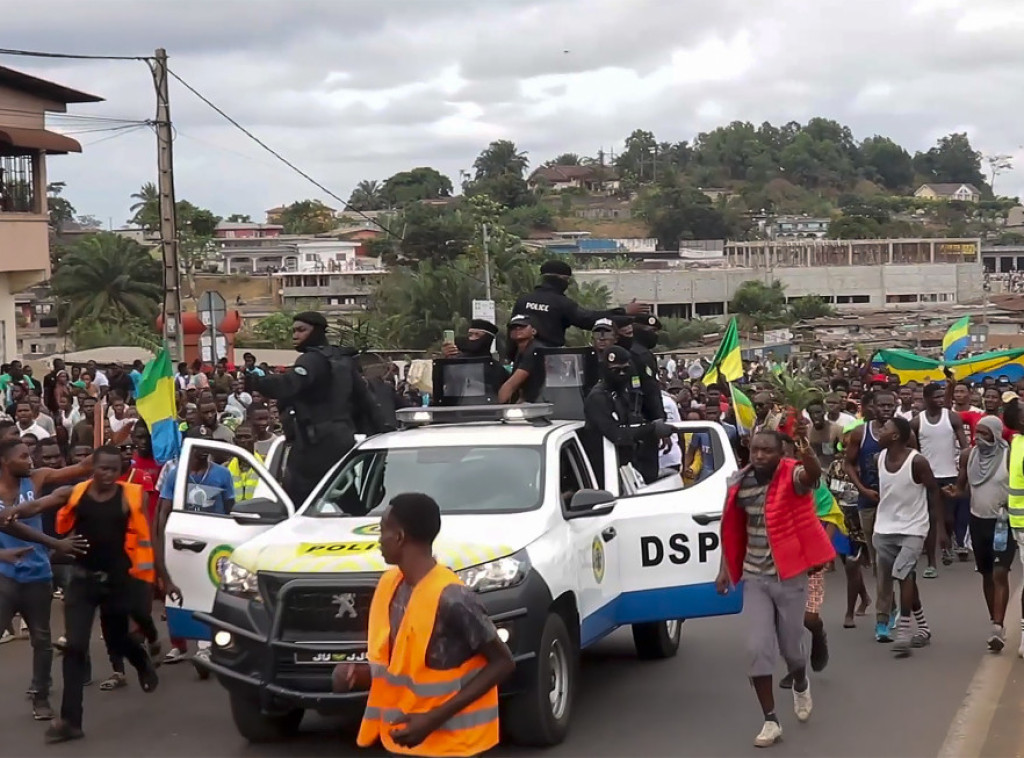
275	331
887	162
423	183
760	306
501	158
60	208
565	159
367	196
307	217
146	208
509	190
810	306
953	159
636	163
88	333
854	228
731	152
677	332
677	213
436	234
239	218
107	278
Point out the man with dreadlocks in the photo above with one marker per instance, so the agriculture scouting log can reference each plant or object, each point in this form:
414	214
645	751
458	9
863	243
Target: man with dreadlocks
324	400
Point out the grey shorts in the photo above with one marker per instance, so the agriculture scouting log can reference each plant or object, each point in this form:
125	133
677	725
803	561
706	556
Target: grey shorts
898	554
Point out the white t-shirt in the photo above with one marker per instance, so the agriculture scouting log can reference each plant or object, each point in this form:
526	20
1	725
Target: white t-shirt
35	429
670	367
674	455
100	380
241	402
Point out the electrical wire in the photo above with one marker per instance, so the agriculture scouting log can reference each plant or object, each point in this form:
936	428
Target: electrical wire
280	157
74	56
115	135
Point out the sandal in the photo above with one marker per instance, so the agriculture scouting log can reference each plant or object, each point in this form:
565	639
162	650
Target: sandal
931	572
115	682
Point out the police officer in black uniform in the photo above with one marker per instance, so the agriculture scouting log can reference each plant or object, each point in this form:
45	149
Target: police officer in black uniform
552	312
477	344
645	371
613	411
325	401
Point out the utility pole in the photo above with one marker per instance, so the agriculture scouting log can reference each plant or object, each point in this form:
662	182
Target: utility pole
168	220
487	264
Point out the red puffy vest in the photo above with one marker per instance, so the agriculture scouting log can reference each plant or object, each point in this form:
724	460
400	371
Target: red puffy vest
797	539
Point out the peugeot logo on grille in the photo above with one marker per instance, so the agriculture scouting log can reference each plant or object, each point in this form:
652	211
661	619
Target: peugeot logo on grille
346	602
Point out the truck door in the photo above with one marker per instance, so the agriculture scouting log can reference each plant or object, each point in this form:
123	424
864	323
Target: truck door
198	539
594	545
668	536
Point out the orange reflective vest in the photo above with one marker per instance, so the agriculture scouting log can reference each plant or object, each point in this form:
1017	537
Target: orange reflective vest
137	543
404	684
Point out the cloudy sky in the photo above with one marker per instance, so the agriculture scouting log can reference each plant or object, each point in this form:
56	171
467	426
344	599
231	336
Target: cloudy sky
353	90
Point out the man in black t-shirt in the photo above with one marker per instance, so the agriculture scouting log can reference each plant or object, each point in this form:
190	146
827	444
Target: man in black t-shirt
527	379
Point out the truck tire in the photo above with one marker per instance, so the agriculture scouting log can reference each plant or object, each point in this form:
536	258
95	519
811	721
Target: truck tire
657	639
540	716
257	726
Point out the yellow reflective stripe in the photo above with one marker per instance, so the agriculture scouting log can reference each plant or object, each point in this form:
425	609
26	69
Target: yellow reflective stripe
464	720
145	543
144	566
421	689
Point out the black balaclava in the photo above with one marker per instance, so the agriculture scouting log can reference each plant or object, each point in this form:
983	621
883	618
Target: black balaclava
318	337
475	348
646	338
615	368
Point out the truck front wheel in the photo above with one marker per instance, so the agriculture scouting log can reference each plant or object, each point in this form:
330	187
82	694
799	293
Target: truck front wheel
257	726
540	715
657	639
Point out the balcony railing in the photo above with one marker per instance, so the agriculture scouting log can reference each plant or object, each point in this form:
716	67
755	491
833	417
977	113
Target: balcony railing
18	185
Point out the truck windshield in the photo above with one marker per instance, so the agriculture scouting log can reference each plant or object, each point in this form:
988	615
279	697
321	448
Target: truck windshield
462	479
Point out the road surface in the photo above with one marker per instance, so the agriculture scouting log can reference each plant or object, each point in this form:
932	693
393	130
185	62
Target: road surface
698	704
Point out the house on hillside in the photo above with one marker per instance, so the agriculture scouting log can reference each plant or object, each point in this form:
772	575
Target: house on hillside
594	179
25	148
967	193
246	230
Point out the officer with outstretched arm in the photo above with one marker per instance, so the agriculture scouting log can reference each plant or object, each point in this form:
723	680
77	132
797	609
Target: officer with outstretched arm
553	312
325	401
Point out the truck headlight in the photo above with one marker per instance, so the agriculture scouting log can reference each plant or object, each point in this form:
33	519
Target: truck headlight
496	575
240	581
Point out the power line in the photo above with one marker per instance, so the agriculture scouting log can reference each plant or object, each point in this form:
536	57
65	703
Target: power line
280	157
75	56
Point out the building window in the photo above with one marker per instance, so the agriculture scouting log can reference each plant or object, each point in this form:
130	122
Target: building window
674	310
17	184
850	299
715	308
901	298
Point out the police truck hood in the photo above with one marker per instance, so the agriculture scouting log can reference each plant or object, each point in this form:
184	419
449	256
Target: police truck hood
340	544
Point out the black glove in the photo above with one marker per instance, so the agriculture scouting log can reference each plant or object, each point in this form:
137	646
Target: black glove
663	429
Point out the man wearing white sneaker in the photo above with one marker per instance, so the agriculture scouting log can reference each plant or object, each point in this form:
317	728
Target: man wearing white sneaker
771	538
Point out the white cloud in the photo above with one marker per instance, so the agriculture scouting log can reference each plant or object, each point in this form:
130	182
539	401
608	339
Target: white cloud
359	90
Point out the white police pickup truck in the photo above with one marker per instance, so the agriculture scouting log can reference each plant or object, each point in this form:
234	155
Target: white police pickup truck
284	592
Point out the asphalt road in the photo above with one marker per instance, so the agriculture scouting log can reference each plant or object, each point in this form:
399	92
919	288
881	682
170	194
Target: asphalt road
697	704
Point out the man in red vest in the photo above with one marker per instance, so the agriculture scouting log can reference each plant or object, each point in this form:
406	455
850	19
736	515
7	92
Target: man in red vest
771	538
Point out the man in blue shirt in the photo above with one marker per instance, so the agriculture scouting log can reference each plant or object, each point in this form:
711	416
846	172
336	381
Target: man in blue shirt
209	487
136	376
26	587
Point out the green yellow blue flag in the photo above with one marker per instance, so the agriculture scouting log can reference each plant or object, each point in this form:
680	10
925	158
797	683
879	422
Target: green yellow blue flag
728	363
157	407
957	339
743	409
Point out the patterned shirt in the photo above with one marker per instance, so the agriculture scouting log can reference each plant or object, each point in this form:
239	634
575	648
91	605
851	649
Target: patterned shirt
751	496
461	628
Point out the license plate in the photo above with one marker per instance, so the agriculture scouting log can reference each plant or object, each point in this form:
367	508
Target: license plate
313	658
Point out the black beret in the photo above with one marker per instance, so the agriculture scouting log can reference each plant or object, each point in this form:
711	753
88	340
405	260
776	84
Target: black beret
616	356
560	268
312	318
648	320
483	325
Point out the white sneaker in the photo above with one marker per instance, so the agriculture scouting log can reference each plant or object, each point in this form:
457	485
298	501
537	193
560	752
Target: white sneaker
174	655
8	637
23	631
802	703
770	733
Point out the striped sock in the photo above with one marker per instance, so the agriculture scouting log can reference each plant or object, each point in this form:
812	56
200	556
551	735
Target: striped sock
903	627
922	623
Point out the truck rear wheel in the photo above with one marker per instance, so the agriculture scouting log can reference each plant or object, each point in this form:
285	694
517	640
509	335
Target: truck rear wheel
540	715
657	639
257	726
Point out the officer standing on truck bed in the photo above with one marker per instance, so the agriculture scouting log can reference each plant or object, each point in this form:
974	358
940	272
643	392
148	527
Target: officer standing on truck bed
612	411
326	402
552	312
637	334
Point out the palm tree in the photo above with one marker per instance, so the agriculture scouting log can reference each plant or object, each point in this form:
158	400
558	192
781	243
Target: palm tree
367	196
146	208
107	278
565	159
501	158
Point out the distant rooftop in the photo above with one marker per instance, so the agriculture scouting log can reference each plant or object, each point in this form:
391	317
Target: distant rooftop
32	85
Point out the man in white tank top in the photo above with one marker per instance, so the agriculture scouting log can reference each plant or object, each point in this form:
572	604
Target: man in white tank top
940	435
909	508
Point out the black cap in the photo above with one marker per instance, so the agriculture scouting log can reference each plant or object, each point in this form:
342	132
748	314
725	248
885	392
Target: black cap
312	318
603	325
616	356
559	268
519	319
649	321
483	325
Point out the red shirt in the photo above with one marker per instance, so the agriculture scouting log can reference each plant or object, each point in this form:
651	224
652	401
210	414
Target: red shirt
971	419
143	479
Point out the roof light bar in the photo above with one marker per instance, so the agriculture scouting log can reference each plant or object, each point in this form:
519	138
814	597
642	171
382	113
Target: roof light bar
465	414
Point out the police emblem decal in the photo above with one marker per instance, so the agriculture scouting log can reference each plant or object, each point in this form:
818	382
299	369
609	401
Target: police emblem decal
597	559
